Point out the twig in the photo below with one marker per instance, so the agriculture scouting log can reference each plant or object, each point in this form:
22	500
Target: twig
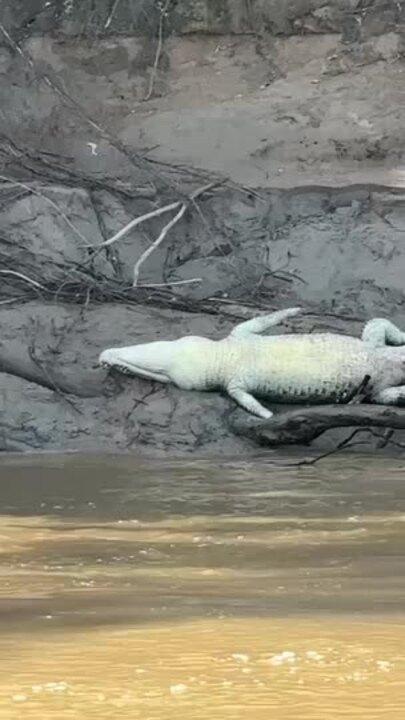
156	243
383	440
194	195
359	395
11	300
340	446
24	277
111	15
138	221
163	12
169	284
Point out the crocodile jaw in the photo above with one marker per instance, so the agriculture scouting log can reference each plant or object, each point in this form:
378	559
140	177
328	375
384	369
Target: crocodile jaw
129	364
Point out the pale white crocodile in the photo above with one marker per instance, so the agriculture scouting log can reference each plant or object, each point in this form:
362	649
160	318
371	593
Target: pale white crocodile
292	368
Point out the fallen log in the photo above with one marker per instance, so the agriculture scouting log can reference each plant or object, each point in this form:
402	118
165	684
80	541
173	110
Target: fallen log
85	384
301	427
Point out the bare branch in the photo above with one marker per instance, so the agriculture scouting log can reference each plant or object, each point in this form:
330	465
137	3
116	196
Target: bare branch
11	300
194	195
155	213
112	13
157	242
344	444
301	427
27	279
163	13
169	284
137	221
359	395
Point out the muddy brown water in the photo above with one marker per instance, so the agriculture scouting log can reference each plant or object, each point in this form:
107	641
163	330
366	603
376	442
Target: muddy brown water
201	589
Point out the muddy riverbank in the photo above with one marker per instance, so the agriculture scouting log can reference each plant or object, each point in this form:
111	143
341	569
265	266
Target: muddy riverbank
301	121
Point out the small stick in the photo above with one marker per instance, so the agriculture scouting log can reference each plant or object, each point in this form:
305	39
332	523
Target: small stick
169	284
360	393
156	243
138	221
167	227
163	12
111	15
344	444
23	277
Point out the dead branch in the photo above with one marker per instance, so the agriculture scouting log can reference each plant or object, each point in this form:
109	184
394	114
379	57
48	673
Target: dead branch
359	395
301	427
342	445
162	17
111	15
137	221
192	281
157	242
155	213
26	279
194	195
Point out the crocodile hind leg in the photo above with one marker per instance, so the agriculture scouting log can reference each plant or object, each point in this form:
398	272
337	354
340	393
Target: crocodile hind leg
247	401
379	332
263	322
391	396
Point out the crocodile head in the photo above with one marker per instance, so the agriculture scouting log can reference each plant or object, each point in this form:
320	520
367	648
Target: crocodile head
151	360
175	361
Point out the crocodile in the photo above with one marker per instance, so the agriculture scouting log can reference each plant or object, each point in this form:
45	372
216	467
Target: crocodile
291	368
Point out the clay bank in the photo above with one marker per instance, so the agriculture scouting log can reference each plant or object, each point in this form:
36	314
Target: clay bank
175	170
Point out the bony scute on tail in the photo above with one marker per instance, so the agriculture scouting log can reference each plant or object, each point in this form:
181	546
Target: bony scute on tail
295	368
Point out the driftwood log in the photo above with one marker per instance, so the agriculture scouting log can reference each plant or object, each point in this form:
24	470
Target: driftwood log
85	384
301	427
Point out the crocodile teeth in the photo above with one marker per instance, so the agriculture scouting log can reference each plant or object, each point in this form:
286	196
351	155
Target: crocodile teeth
116	366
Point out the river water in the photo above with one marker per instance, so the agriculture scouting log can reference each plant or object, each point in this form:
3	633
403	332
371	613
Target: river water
201	590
